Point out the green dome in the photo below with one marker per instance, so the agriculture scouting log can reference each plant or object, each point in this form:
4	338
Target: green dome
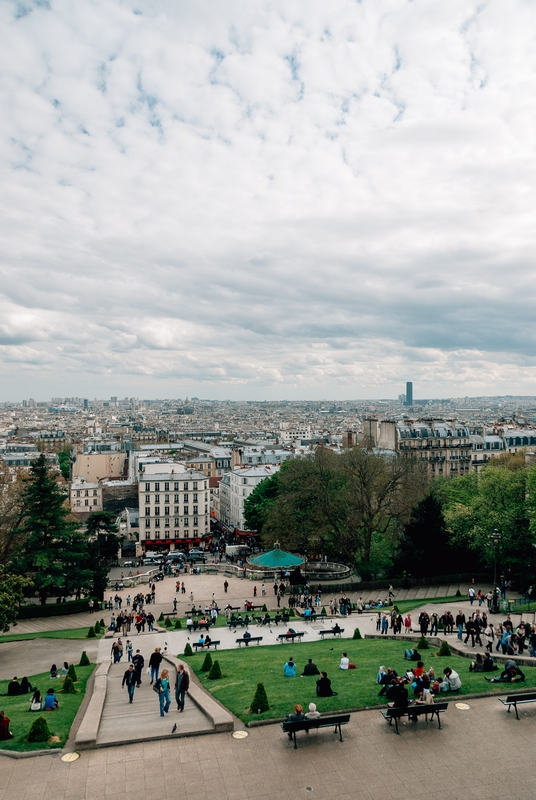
276	559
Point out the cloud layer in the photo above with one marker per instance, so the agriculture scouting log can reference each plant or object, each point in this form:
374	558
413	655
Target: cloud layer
267	199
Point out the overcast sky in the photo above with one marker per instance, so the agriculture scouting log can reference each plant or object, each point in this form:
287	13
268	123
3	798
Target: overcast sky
267	199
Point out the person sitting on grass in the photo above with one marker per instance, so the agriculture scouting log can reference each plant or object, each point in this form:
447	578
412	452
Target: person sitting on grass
25	686
51	701
451	682
35	702
510	674
5	733
53	671
418	672
489	666
310	669
478	664
13	688
345	661
323	686
385	679
412	654
290	668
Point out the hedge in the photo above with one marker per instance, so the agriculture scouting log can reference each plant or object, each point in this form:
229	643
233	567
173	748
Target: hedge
54	609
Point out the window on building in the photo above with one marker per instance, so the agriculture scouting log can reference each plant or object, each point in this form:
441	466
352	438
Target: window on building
176	522
166	510
185	510
147	523
195	484
196	521
195	498
166	498
78	502
176	510
87	492
176	486
86	502
157	523
157	511
185	486
185	522
196	532
147	487
94	501
186	498
157	487
166	487
94	492
166	522
78	493
176	498
148	499
195	511
157	498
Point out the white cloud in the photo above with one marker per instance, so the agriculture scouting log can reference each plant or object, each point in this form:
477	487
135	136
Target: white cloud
238	199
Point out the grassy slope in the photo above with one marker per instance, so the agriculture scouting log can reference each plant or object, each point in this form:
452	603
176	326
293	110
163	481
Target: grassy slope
69	633
243	668
408	605
59	721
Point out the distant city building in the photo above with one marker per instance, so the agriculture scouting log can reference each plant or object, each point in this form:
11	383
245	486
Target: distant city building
85	496
409	393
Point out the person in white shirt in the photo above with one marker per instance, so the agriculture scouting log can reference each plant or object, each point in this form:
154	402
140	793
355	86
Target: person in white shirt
344	661
451	681
312	713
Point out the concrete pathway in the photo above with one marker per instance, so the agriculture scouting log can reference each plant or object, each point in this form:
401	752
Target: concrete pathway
123	722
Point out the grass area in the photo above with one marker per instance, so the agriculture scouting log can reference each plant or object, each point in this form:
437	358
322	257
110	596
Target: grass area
408	605
245	667
59	721
69	633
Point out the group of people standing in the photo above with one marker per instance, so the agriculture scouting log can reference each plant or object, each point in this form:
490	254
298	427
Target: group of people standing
160	681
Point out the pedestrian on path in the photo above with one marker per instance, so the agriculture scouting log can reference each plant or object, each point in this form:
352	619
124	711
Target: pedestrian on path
191	597
174	604
139	662
130	680
154	662
182	684
225	586
162	687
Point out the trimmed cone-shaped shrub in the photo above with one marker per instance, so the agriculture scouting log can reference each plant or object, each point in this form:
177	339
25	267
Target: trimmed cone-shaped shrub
103	626
168	623
188	650
84	660
68	686
215	672
291	612
458	593
91	633
97	627
422	644
207	663
72	672
39	732
357	634
259	704
161	617
444	650
177	625
323	611
264	608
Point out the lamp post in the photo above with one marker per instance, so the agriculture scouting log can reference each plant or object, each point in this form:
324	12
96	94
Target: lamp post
495	538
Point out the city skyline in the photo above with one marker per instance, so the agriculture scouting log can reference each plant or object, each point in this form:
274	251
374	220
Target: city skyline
248	201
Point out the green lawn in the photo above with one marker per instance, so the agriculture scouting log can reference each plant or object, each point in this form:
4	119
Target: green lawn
408	605
59	721
69	633
243	668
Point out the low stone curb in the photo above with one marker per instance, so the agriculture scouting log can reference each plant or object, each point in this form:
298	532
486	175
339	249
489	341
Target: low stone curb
86	736
220	716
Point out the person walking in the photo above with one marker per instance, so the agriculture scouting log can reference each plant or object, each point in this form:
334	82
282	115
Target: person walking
182	684
154	662
175	604
162	687
130	681
139	662
225	586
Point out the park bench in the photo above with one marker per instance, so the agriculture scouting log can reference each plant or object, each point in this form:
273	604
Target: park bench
328	721
518	699
233	608
169	613
198	625
214	642
286	637
331	633
238	623
395	714
249	639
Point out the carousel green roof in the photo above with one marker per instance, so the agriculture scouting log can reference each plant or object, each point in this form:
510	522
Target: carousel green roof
276	558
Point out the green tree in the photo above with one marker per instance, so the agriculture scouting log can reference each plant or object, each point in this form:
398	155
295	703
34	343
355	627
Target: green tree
53	552
501	496
260	501
103	547
11	596
11	511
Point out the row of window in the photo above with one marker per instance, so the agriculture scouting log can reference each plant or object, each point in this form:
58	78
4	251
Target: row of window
176	498
167	484
176	535
86	502
185	511
85	492
167	522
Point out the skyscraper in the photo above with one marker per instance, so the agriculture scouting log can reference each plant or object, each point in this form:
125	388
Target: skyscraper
409	393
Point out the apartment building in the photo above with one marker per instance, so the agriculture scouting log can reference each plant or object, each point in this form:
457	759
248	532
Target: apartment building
85	496
173	506
242	481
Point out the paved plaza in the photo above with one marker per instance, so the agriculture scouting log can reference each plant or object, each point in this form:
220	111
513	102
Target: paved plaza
482	751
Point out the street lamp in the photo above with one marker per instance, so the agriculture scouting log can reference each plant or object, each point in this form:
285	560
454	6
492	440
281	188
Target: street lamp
495	538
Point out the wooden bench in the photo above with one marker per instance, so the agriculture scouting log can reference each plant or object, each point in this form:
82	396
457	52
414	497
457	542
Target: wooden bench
169	613
518	699
198	625
286	637
395	714
328	721
238	623
214	642
331	633
249	639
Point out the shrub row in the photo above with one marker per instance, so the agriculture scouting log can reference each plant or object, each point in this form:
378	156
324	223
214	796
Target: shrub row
54	609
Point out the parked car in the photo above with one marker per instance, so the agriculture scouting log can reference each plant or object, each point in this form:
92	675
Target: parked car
196	555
